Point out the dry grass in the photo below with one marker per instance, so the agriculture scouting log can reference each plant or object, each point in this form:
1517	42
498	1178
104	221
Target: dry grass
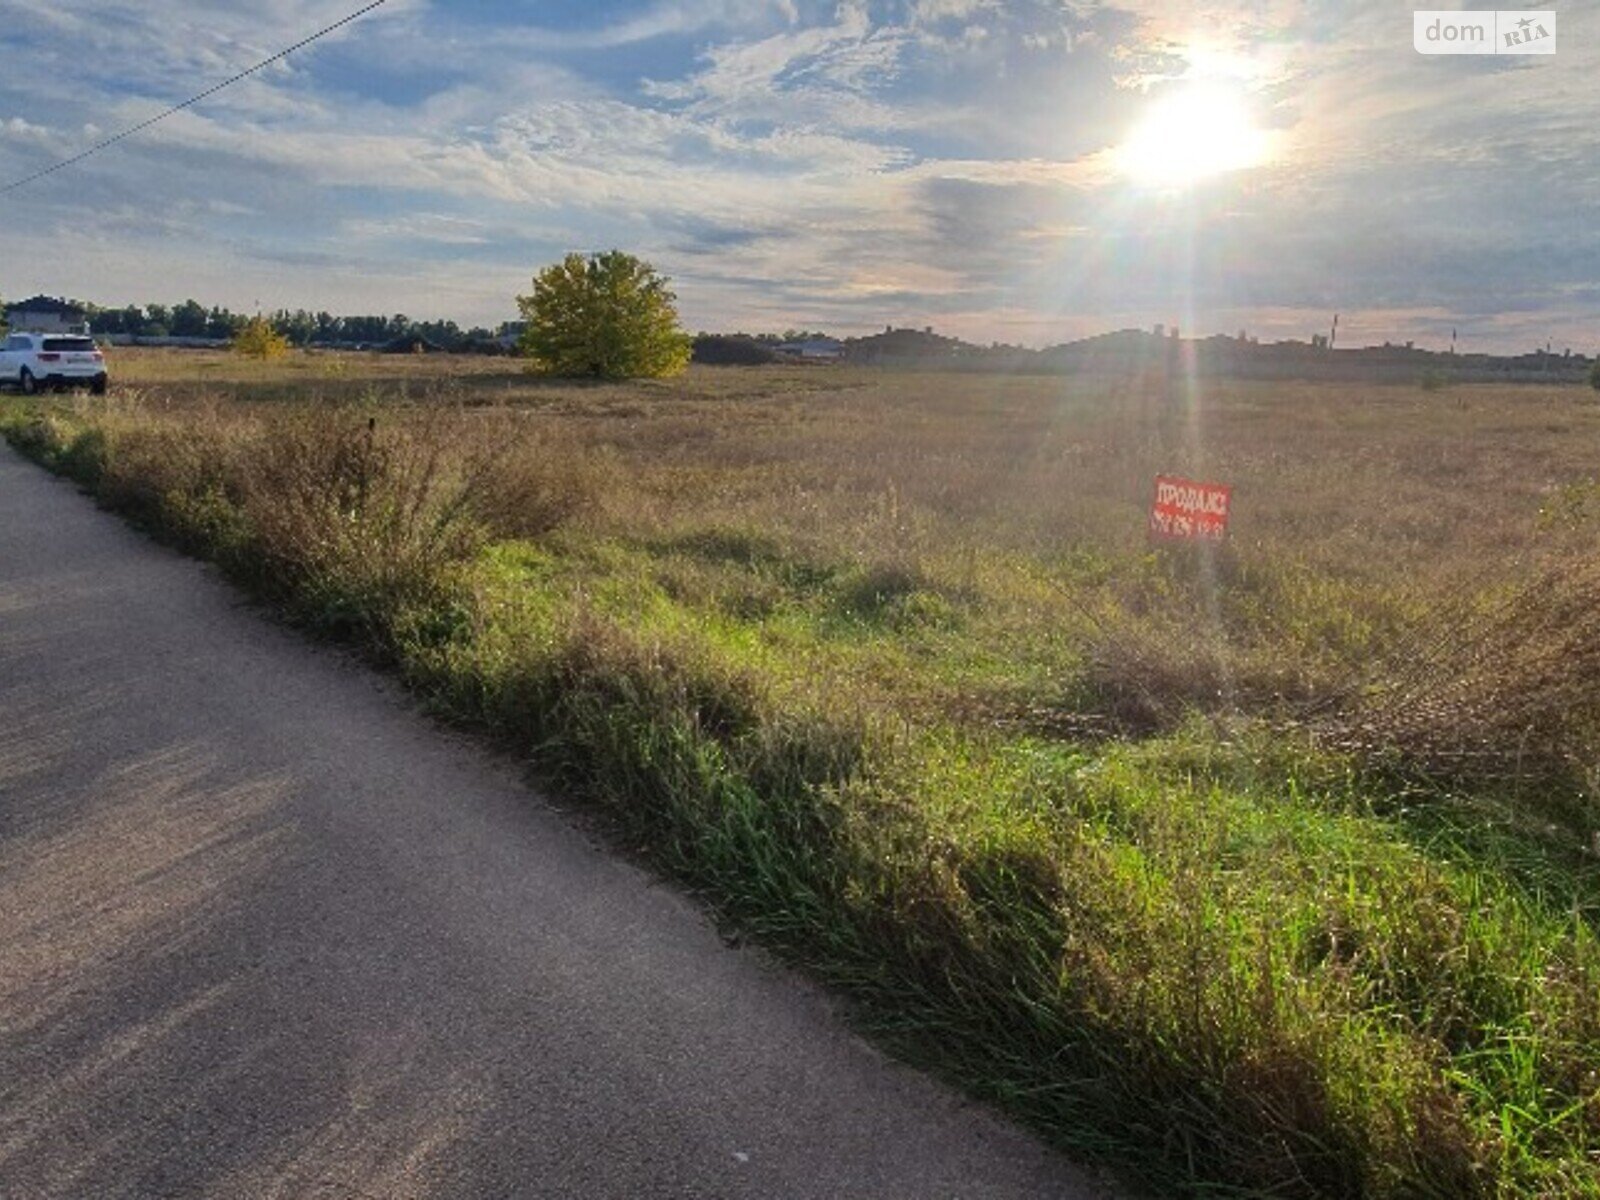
1498	686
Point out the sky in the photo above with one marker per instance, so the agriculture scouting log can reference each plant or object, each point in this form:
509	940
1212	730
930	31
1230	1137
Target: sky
963	164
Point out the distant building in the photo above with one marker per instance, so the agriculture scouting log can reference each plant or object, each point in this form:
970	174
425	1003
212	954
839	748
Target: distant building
46	314
814	349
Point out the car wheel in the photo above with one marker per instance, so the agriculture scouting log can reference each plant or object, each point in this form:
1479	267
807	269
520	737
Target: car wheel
98	387
29	385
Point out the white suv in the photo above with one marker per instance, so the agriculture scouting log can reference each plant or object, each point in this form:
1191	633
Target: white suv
33	361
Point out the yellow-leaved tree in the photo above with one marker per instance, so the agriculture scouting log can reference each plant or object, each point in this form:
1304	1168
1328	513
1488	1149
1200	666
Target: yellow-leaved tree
604	316
258	339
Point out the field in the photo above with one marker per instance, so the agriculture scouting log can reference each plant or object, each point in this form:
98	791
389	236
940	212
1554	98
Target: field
1265	868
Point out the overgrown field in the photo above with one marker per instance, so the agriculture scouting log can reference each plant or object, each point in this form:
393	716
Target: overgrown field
1267	869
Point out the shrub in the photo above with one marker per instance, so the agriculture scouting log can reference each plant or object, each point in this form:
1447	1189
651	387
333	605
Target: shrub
355	519
258	339
352	521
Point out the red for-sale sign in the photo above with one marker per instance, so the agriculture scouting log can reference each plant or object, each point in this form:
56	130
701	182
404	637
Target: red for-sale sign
1188	511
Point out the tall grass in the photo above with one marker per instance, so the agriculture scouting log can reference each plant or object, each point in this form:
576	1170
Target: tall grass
1223	870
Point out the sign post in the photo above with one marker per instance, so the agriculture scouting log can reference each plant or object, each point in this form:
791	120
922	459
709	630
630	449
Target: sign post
1186	511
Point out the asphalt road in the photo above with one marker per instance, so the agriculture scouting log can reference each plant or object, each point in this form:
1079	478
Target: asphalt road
266	931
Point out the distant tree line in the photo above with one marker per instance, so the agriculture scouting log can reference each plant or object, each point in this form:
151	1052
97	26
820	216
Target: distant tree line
733	350
787	336
300	327
748	349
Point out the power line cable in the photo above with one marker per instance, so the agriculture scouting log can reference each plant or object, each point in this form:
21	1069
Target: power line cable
193	100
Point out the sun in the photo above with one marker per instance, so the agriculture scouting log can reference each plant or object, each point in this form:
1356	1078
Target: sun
1190	135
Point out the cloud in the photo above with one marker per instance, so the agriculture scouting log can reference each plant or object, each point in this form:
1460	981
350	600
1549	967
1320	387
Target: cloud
662	19
422	227
824	75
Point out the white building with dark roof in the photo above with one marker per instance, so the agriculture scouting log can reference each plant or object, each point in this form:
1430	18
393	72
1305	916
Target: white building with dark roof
813	349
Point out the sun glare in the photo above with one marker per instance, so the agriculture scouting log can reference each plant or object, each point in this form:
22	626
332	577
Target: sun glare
1190	135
